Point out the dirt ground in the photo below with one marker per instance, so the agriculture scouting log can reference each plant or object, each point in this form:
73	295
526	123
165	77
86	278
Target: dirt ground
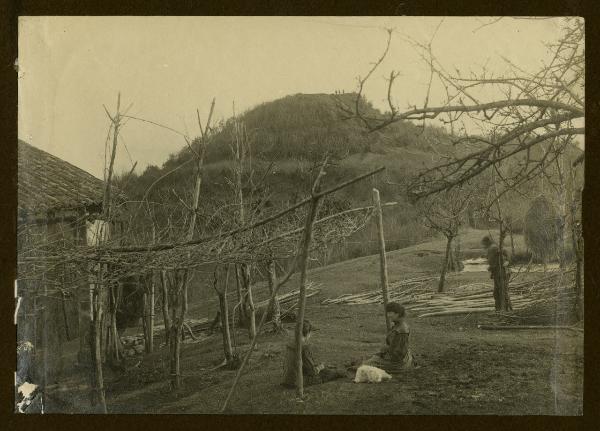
461	369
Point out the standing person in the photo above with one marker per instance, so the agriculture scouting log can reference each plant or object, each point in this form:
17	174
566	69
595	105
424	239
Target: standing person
395	354
497	262
312	373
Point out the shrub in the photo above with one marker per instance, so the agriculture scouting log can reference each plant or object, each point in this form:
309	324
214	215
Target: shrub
542	229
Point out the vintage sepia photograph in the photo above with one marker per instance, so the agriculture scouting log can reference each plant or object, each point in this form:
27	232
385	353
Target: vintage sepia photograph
302	215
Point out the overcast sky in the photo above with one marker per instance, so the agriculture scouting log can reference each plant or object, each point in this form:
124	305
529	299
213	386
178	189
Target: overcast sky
170	66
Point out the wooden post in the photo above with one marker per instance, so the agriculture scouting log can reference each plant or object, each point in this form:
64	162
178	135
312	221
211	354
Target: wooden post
308	234
97	353
382	258
151	324
283	280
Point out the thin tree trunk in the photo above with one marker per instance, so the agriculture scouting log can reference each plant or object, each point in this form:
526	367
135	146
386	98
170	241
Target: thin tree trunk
251	308
181	300
91	338
577	246
240	154
165	305
104	336
275	310
263	319
92	347
308	234
383	272
445	264
223	315
145	319
151	319
115	344
505	303
240	295
563	191
579	303
116	120
97	353
83	328
178	331
223	307
96	290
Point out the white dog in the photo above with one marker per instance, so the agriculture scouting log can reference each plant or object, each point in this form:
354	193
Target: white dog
370	374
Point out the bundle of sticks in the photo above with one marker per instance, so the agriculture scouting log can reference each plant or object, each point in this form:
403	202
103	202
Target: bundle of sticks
416	295
403	291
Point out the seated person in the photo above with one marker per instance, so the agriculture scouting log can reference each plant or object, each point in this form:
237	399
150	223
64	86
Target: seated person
396	354
312	373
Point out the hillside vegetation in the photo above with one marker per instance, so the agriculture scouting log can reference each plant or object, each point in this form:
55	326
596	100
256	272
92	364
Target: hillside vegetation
289	137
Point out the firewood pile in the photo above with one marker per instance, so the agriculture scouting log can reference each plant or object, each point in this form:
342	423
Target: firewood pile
403	291
551	300
542	298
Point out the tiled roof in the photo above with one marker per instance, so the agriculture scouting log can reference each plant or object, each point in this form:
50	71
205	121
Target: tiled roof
46	182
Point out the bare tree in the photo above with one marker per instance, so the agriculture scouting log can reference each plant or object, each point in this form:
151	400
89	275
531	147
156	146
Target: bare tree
445	212
519	111
180	305
543	229
240	149
222	278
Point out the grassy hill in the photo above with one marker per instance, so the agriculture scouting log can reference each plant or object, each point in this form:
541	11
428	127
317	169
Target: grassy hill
288	138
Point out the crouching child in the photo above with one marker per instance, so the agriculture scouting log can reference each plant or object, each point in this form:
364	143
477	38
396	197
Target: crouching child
312	373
